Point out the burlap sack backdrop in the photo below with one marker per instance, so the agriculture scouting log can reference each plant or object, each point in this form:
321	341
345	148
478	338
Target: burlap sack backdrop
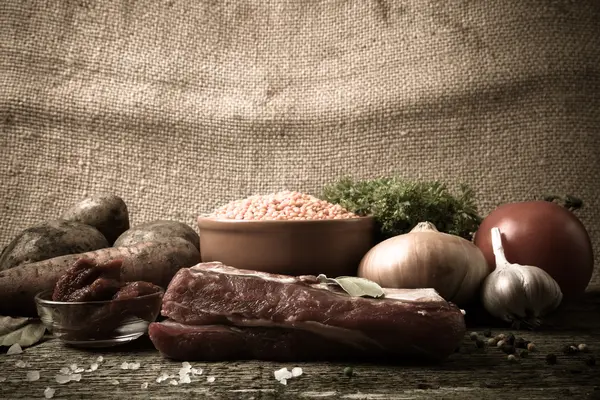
179	106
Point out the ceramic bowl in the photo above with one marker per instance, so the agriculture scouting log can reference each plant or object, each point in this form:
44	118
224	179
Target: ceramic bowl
296	247
98	323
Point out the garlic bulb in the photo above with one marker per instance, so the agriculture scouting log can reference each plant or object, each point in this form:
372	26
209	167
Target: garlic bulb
518	293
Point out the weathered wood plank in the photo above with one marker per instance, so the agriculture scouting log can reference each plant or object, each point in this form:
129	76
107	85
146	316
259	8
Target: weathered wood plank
471	373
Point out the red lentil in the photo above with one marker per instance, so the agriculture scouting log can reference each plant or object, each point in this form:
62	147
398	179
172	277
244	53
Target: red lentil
284	205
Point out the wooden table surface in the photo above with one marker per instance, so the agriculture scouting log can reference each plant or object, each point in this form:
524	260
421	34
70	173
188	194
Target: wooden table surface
471	373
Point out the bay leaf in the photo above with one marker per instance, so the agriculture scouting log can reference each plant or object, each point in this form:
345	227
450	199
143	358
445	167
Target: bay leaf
10	324
354	286
25	335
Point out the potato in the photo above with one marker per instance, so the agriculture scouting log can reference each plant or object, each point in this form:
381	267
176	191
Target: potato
105	212
51	239
155	262
158	230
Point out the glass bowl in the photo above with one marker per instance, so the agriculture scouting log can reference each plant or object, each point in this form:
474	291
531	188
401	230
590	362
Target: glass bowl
98	323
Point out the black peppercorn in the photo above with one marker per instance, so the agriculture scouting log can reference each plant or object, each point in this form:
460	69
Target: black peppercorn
551	359
569	349
479	343
521	343
510	339
590	360
348	371
487	333
508	349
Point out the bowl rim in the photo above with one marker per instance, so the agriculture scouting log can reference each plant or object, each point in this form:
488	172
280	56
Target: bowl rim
40	300
216	220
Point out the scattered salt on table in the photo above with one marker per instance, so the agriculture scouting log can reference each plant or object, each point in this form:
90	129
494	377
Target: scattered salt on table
49	393
125	365
144	385
94	366
196	371
185	379
114	382
65	371
14	349
173	382
100	359
60	378
20	364
210	379
134	365
282	373
162	377
33	376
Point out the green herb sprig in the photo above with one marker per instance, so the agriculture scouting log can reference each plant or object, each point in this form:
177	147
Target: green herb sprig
397	204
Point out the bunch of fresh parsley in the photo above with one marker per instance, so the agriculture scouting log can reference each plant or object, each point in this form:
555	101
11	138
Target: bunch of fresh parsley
398	205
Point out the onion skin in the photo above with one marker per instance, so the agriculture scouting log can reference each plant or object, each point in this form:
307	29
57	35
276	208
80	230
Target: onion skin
545	235
451	265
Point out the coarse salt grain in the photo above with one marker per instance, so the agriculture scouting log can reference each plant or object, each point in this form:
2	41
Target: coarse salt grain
144	385
14	349
125	365
2	379
162	377
73	367
296	371
134	365
49	392
173	382
94	366
210	379
185	379
196	371
33	376
20	364
282	373
114	382
100	359
65	371
76	377
186	365
61	379
79	370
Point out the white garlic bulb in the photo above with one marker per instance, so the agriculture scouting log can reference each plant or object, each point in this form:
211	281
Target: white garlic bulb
518	293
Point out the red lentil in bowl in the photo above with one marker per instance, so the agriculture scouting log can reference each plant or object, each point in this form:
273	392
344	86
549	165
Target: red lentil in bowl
285	205
286	233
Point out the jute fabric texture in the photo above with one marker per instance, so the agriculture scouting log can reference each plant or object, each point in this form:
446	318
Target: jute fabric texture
179	106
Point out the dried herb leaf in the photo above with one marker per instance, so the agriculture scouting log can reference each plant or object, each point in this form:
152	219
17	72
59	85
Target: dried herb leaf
354	286
15	331
11	324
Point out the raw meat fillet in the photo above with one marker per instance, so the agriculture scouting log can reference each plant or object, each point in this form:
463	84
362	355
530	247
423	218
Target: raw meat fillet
222	342
405	323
